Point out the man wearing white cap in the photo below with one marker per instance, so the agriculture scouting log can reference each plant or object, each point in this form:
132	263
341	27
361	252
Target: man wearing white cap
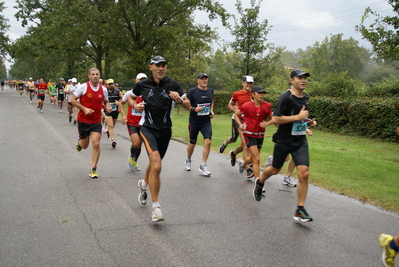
237	100
132	120
69	91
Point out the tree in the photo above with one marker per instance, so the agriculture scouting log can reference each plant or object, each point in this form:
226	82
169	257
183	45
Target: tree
4	26
383	33
107	30
250	38
335	55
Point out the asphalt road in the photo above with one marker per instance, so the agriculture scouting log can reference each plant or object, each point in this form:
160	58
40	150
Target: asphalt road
54	214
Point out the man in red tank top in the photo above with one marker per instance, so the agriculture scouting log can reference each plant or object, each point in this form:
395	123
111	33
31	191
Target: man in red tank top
91	97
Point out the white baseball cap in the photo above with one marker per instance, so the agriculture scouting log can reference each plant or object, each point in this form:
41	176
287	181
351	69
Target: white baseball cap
141	76
74	80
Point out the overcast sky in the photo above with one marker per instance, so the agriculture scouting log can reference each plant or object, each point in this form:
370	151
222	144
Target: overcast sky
296	24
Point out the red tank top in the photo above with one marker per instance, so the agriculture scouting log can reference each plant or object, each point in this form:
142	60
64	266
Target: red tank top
134	117
93	100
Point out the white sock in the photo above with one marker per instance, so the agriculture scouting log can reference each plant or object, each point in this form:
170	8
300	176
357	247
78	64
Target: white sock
155	204
203	164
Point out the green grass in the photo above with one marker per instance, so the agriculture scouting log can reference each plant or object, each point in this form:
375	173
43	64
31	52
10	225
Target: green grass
357	167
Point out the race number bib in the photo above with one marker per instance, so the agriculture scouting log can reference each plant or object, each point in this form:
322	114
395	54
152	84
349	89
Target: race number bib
299	127
136	113
206	109
114	107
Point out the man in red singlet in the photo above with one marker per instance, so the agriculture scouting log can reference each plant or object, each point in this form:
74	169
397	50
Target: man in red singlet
91	97
41	88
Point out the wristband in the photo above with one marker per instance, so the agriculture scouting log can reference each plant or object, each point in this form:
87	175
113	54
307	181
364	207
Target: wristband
192	108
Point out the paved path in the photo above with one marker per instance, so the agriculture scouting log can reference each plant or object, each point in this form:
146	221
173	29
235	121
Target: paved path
53	214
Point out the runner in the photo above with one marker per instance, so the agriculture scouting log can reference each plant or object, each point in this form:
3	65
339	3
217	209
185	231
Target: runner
71	108
114	95
252	119
60	87
159	95
201	113
53	93
132	119
20	87
41	89
91	97
238	99
31	89
291	113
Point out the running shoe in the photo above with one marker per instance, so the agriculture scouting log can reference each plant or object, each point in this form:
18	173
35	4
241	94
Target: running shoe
113	143
241	165
41	111
78	147
93	173
31	102
70	118
302	216
250	173
222	147
289	181
257	190
187	165
136	166
232	158
204	170
157	214
74	121
388	254
143	192
269	162
131	163
60	111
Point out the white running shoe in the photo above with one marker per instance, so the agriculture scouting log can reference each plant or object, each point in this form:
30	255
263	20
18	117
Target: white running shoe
157	214
187	165
289	181
241	165
204	170
269	162
143	192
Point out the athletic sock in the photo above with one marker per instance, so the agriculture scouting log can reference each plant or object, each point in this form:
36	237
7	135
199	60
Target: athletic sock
155	204
393	245
132	151
301	208
137	153
260	184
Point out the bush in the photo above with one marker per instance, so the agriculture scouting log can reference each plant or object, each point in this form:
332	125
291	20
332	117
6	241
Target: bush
386	87
335	85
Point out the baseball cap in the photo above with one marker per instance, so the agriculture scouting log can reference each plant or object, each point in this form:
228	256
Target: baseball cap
141	76
74	80
298	73
258	89
110	81
157	60
61	79
116	84
30	78
69	80
202	75
248	79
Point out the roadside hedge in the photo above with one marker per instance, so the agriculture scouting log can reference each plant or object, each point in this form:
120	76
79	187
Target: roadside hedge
375	118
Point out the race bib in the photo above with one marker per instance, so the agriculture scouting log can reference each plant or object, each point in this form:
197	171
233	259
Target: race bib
206	109
136	113
114	107
299	127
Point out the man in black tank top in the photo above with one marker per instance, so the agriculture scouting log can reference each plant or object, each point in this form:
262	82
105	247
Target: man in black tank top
114	96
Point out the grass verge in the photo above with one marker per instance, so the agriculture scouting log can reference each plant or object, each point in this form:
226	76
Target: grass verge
357	167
